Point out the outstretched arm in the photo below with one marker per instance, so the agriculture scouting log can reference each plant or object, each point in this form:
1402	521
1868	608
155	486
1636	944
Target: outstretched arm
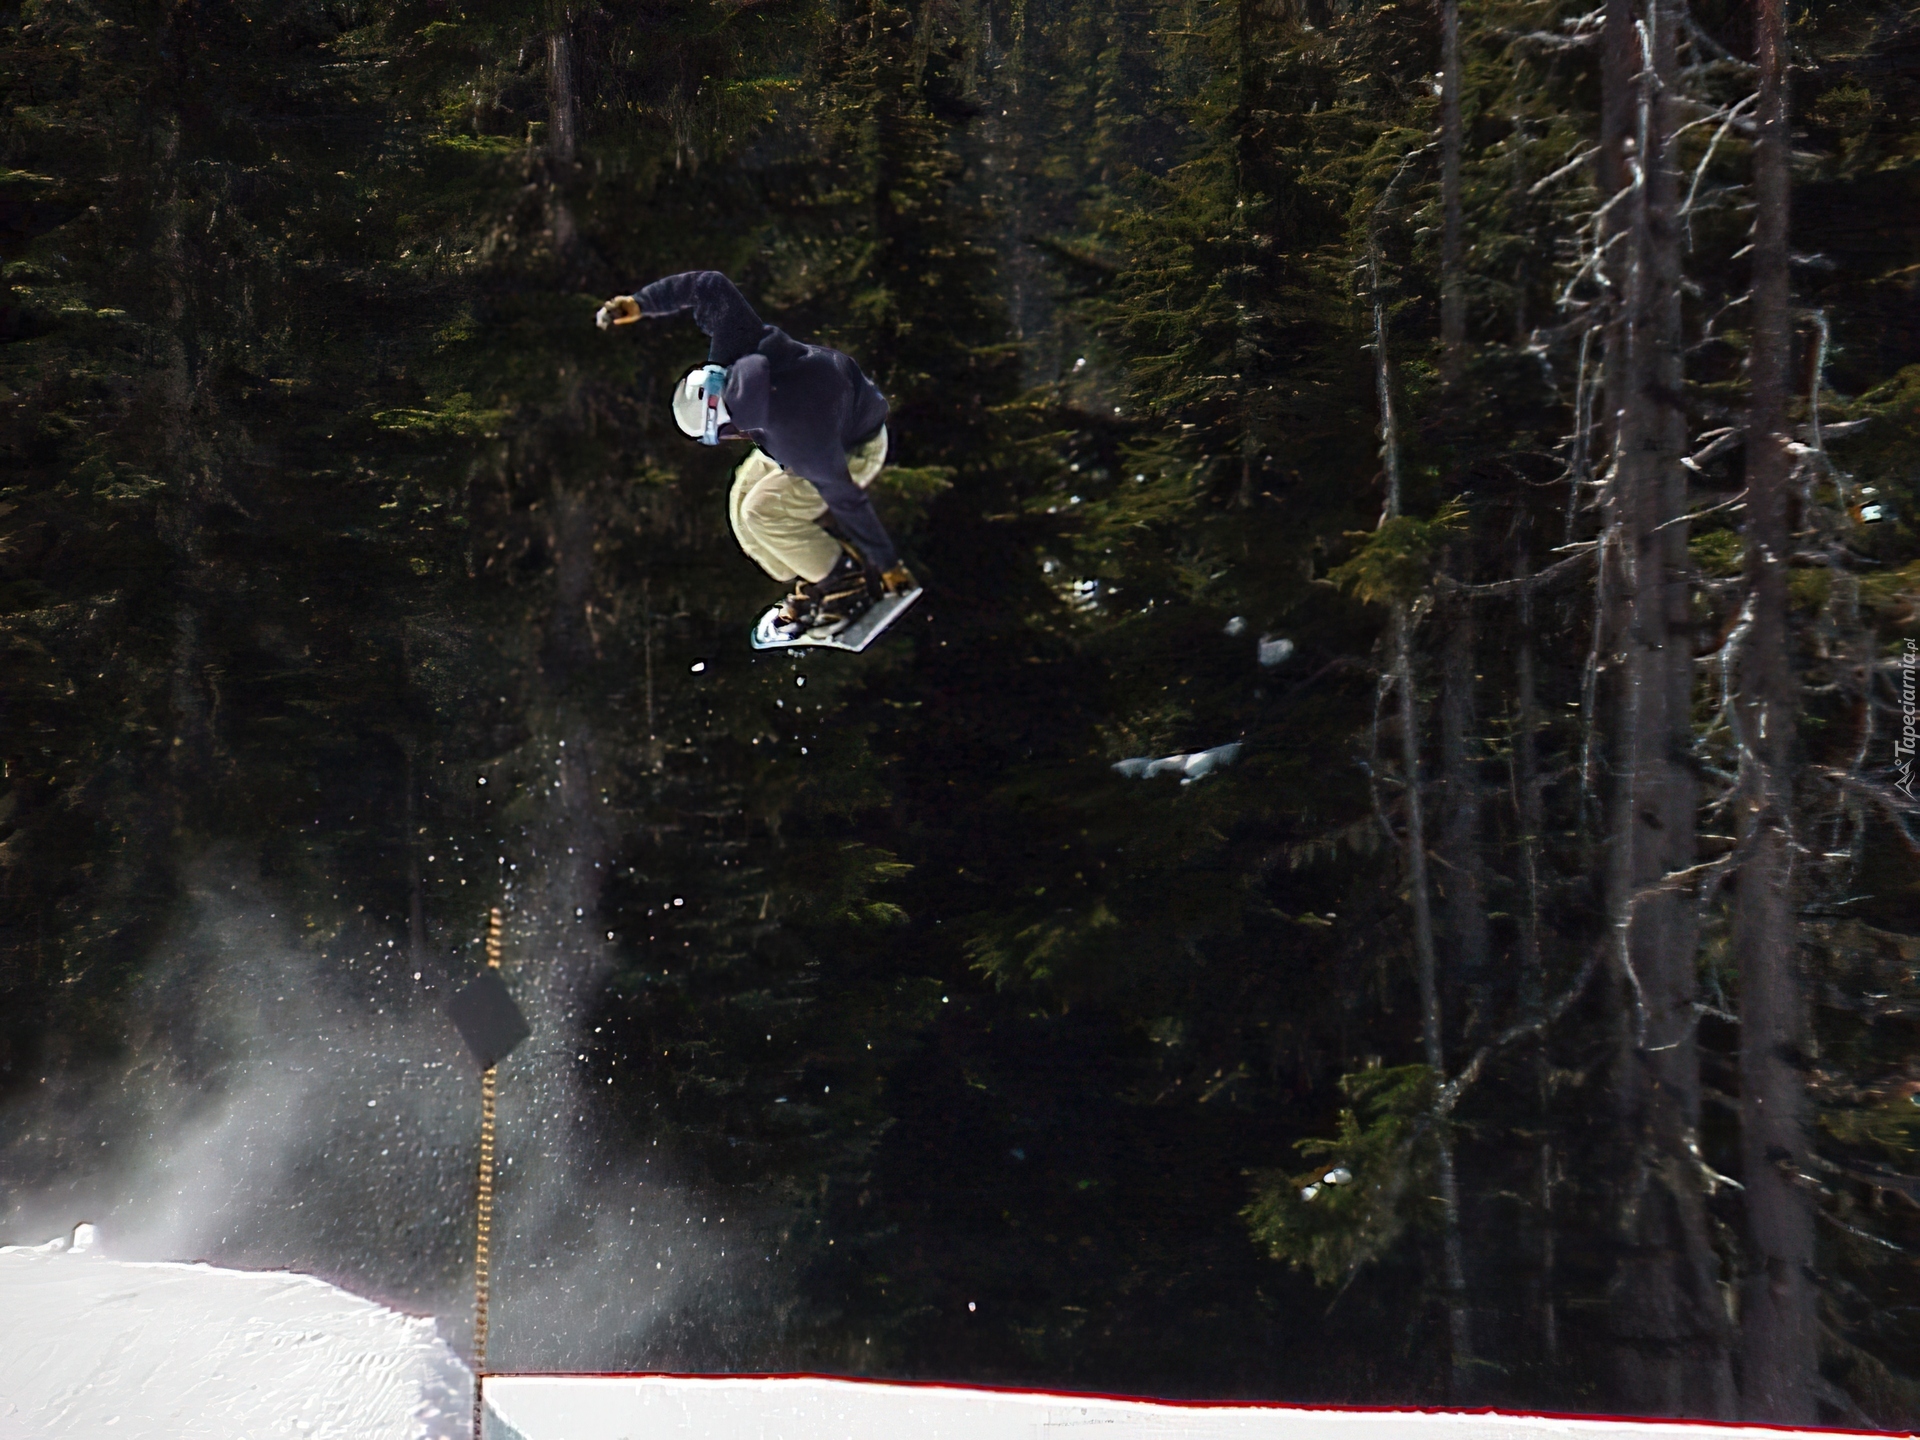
719	309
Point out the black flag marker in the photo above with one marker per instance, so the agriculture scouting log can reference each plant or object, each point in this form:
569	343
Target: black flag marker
487	1018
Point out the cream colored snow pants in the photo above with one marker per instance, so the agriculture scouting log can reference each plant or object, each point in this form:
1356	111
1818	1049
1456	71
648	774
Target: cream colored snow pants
774	512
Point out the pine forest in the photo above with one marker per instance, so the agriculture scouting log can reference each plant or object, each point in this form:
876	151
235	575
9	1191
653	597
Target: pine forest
1383	869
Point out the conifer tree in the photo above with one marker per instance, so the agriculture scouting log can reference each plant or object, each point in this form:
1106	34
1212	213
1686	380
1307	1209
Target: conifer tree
1778	1327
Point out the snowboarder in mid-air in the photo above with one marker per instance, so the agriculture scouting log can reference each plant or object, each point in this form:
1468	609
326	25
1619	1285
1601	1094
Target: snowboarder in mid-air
818	427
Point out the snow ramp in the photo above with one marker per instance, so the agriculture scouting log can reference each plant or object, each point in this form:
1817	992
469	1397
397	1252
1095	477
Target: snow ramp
121	1350
817	1407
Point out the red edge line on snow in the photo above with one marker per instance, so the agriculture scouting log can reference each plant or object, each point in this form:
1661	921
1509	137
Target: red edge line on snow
876	1380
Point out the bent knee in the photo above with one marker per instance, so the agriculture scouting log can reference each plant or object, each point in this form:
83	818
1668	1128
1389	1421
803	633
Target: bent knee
782	505
763	506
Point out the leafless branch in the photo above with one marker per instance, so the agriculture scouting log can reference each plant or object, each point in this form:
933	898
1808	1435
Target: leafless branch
1713	147
1567	169
1452	1090
1590	679
1735	503
1373	764
1705	42
1906	1186
1539	580
1723	440
1893	803
1549	41
1856	1231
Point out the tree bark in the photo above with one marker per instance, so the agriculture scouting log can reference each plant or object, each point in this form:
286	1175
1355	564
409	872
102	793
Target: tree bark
1529	811
1466	883
1778	1323
1453	299
1453	1260
563	139
1419	888
1669	1325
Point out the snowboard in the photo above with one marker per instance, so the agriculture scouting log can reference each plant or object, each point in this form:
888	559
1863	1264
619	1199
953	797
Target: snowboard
854	635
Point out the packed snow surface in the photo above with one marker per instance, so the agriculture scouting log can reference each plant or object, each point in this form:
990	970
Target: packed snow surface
807	1407
118	1350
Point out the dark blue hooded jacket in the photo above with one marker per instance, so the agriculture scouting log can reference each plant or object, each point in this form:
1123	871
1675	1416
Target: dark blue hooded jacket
805	405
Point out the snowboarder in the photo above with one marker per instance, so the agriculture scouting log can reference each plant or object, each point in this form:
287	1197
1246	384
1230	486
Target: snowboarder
818	426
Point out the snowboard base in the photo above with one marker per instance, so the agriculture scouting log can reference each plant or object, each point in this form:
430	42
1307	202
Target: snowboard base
855	635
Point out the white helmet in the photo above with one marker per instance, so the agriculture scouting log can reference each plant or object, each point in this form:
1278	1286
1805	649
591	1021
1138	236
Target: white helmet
690	404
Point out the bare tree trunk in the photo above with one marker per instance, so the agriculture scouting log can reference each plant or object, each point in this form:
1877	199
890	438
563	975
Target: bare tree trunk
1529	811
1778	1323
1459	1329
1466	881
1453	299
564	142
181	513
1453	1274
563	138
1668	1319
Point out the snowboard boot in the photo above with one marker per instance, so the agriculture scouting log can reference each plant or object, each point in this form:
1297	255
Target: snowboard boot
798	611
845	593
835	600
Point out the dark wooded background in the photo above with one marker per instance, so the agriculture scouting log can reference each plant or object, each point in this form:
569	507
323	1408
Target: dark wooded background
354	583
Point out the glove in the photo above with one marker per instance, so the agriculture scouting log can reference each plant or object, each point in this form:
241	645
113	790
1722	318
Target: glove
898	580
621	310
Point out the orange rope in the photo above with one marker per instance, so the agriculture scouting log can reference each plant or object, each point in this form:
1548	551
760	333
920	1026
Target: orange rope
483	1226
